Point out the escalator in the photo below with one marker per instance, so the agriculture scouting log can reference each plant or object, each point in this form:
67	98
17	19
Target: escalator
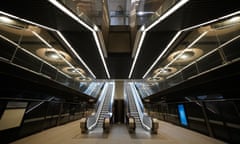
135	109
132	108
106	108
103	109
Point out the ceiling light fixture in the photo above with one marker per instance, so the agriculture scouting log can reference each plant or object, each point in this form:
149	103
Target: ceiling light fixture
45	42
75	53
190	45
186	29
6	20
160	19
224	44
164	51
93	30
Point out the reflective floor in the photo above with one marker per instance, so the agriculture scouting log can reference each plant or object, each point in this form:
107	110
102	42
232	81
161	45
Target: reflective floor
70	134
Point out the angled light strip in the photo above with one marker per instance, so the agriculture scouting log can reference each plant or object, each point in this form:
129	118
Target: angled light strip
101	54
137	53
27	21
76	18
197	39
68	12
45	42
168	13
196	26
211	21
79	58
194	42
164	51
164	16
42	39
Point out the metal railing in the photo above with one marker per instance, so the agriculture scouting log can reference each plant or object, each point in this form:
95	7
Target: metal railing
146	121
92	120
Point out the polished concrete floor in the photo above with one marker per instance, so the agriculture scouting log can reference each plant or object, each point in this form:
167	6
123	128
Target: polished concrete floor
70	134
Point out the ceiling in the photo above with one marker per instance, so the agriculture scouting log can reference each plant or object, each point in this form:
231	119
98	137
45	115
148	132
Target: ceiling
119	61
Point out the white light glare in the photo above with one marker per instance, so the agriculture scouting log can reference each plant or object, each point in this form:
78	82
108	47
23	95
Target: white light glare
137	53
168	13
6	20
69	13
79	58
194	42
164	16
101	54
164	51
45	42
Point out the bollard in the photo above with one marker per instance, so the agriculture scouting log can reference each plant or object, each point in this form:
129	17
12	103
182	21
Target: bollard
83	125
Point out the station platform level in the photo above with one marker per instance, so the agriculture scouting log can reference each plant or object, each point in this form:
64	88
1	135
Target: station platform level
70	133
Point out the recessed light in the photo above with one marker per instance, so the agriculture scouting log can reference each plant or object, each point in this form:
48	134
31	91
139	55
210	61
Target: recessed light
7	20
53	55
73	71
81	79
164	71
185	55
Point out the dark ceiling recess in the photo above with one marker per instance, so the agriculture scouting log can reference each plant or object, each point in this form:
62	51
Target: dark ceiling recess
44	13
193	13
119	52
85	46
152	46
119	60
119	65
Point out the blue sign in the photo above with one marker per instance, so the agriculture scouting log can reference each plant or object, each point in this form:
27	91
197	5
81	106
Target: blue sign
182	115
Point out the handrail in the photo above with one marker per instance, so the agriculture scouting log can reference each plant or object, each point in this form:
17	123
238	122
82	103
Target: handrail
145	120
92	120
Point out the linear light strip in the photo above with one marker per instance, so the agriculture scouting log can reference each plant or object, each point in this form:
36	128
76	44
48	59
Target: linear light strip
193	27
137	53
68	12
168	13
164	16
75	53
197	39
27	21
45	42
164	51
101	54
76	18
42	39
211	21
194	42
199	25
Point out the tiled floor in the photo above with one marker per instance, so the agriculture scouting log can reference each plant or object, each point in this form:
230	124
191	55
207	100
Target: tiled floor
70	134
